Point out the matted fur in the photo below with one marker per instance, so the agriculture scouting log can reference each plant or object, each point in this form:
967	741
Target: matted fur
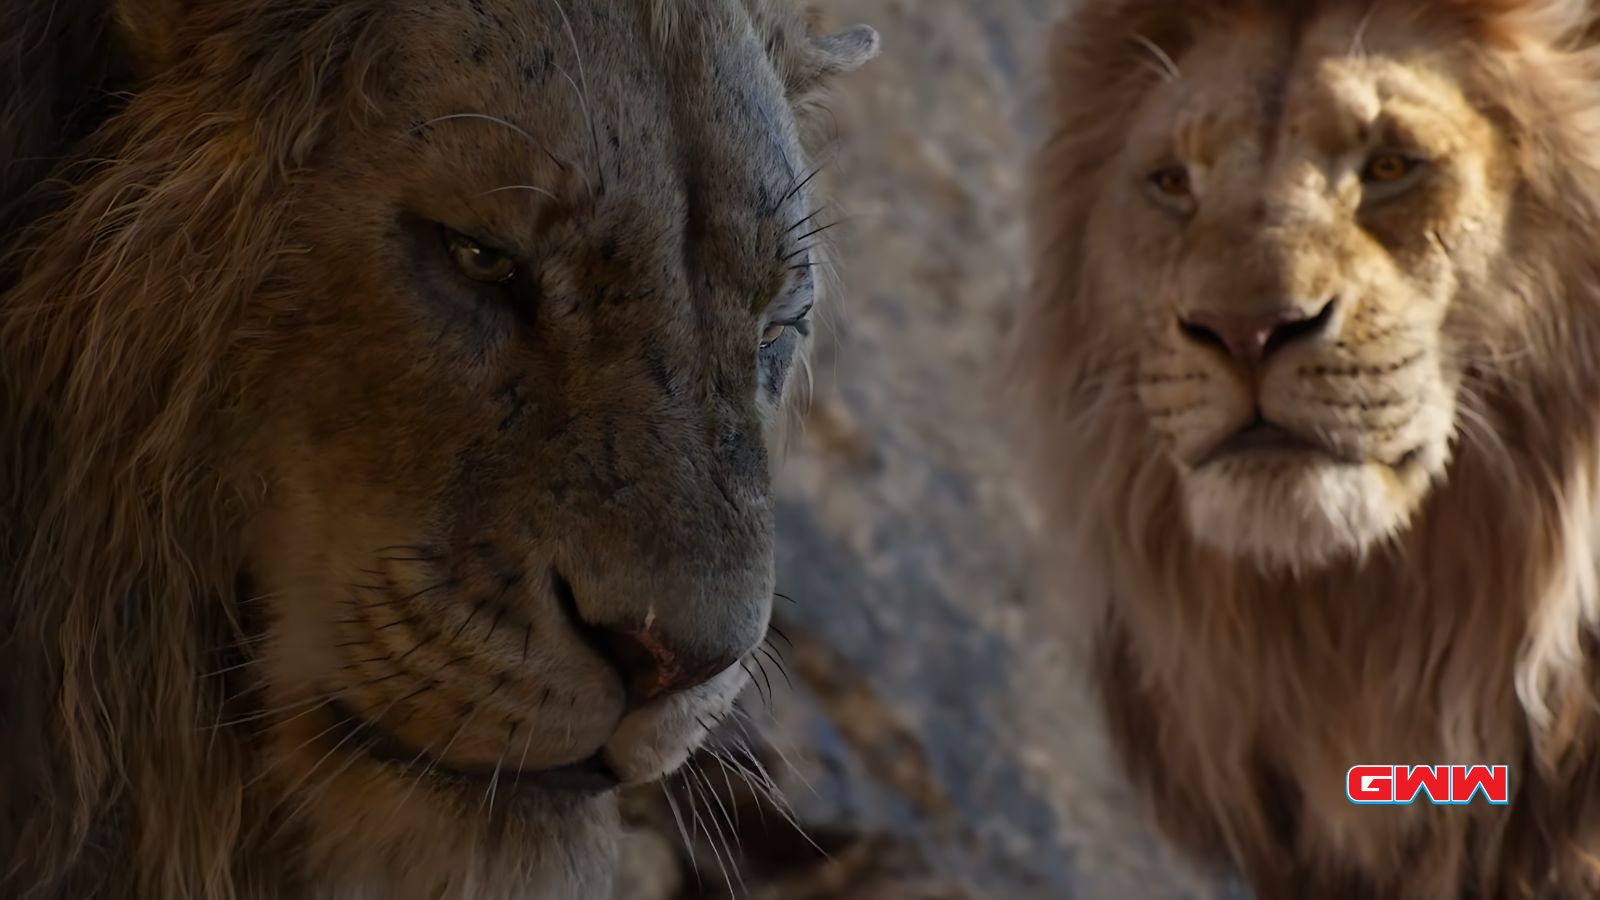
1243	672
199	392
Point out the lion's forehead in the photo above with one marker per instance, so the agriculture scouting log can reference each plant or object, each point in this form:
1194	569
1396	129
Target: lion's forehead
596	81
1245	104
690	138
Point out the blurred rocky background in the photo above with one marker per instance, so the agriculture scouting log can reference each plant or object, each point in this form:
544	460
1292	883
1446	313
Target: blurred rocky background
920	711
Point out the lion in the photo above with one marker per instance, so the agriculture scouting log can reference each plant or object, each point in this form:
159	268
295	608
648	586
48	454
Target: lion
1309	393
390	391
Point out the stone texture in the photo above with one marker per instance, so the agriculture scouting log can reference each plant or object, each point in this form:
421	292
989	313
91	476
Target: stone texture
938	742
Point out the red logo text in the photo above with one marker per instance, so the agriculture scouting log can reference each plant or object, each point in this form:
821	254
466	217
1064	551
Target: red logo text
1369	785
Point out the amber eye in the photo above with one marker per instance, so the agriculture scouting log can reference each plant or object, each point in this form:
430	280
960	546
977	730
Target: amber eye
478	262
772	334
1385	168
1172	181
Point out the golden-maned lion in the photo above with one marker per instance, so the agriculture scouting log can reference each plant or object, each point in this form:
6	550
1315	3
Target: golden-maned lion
1313	373
384	436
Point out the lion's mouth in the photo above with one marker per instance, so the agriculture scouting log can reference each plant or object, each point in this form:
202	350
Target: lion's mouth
591	776
1261	437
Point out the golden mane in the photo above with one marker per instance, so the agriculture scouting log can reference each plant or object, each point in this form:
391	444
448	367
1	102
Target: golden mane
1474	630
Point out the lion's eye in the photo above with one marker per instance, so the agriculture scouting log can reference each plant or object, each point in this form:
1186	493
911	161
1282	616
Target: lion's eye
1387	168
1172	181
478	262
772	334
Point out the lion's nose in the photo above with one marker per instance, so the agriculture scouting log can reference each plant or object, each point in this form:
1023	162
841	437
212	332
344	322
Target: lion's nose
652	668
1252	338
651	663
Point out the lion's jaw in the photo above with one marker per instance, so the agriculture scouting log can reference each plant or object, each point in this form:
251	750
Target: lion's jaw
1294	316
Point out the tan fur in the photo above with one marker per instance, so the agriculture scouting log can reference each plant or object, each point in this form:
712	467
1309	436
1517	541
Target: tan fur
262	445
1264	622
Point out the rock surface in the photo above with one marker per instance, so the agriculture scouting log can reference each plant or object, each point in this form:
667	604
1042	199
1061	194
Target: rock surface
938	742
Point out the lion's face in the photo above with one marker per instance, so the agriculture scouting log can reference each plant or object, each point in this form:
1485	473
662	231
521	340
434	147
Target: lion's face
514	404
1293	236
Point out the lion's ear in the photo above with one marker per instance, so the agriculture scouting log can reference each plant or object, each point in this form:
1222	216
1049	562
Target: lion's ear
818	58
846	51
149	29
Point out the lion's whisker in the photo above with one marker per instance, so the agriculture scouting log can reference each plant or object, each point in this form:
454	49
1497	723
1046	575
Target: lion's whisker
494	779
745	778
476	116
522	762
777	747
729	866
765	650
816	231
290	791
803	250
732	794
1169	69
415	548
233	668
766	787
752	676
809	216
701	827
282	758
241	643
703	785
311	796
801	184
765	678
311	704
583	93
761	785
522	187
413	778
683	832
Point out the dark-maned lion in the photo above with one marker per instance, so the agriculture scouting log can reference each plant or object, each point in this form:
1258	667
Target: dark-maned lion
385	397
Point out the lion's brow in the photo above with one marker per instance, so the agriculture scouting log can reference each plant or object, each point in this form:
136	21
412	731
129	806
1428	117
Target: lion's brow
515	129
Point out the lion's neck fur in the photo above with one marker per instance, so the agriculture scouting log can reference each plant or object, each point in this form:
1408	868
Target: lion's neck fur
1243	695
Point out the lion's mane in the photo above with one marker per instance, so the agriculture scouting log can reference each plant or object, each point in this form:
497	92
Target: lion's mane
1473	633
120	552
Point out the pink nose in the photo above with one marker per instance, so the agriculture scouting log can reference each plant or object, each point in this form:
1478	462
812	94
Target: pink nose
651	668
653	664
1251	339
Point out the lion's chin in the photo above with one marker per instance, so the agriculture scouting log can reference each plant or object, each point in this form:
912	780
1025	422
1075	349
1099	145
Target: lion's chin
387	824
1299	512
369	833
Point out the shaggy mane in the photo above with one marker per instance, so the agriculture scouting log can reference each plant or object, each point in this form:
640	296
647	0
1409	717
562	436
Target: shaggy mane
1474	629
121	547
